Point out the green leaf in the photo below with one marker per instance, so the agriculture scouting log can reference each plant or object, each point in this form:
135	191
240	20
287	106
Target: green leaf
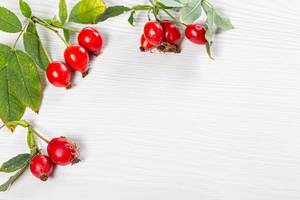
25	8
31	142
208	50
35	48
191	11
210	13
63	11
112	11
9	22
67	35
26	83
171	3
10	107
222	21
131	18
15	163
5	186
86	11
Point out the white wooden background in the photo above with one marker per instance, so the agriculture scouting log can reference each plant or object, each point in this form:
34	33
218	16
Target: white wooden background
176	127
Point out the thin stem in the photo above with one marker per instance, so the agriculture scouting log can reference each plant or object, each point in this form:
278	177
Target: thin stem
40	136
173	17
65	28
155	10
62	38
21	33
70	29
46	52
209	4
2	126
168	13
50	27
151	1
47	55
148	14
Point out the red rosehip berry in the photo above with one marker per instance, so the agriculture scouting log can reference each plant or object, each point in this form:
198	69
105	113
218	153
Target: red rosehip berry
62	151
77	58
59	74
154	33
172	33
41	167
145	45
196	33
91	40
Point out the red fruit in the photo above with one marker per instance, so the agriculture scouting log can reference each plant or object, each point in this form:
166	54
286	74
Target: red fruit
59	74
154	33
77	58
196	33
41	167
63	151
91	40
172	33
145	45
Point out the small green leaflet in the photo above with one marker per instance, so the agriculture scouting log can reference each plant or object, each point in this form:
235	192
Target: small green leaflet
214	16
86	11
9	22
208	50
112	11
15	163
5	186
131	18
31	142
222	21
191	11
63	11
210	13
133	12
25	8
35	48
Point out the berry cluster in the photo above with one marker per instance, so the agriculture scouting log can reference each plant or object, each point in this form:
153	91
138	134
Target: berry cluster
61	151
166	36
76	57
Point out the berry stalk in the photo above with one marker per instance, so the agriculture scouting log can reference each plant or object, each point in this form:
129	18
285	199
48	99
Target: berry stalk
21	33
50	27
39	135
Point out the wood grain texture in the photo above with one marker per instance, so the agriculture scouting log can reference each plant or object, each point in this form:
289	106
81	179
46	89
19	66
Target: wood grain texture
154	126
